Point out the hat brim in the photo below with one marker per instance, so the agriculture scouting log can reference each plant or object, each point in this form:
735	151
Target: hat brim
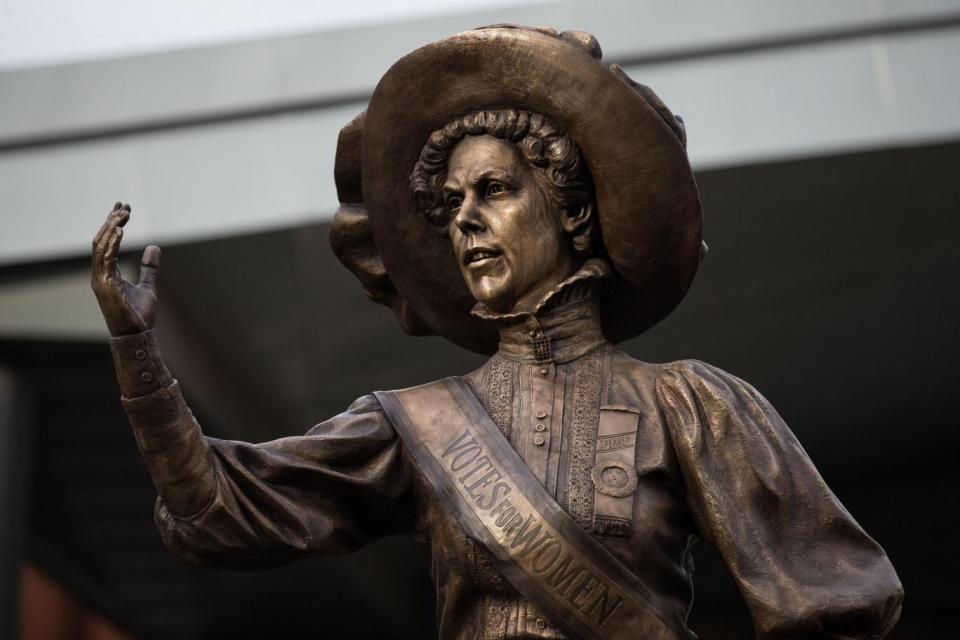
647	201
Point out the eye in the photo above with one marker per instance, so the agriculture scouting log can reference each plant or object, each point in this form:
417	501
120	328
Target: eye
496	187
454	202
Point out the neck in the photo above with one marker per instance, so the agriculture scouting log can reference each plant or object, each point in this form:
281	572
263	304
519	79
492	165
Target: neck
563	325
530	302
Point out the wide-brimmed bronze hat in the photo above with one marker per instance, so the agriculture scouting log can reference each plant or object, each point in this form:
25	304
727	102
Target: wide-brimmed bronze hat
648	206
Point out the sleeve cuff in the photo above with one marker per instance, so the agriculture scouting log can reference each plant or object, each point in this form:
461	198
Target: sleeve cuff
139	365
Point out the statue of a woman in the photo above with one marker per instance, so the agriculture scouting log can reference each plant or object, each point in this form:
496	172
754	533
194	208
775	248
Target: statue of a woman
510	192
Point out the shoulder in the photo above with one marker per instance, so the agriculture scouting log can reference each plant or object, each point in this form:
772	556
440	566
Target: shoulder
364	419
679	385
636	382
364	404
702	402
624	364
371	402
698	376
657	374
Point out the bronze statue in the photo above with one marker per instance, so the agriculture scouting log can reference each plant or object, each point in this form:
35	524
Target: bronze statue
508	191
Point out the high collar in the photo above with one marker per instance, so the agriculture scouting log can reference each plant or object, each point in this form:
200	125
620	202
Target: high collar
563	326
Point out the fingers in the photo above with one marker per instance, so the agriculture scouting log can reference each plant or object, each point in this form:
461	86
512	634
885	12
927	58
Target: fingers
150	266
119	215
106	224
110	243
113	243
107	242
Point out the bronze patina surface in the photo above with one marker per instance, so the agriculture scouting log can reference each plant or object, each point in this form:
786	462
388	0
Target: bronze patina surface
510	192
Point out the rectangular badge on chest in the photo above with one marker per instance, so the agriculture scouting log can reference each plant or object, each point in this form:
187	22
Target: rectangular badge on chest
614	473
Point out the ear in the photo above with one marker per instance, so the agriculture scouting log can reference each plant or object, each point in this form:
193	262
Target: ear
577	218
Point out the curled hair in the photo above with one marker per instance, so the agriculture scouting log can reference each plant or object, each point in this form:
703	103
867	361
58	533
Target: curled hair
541	143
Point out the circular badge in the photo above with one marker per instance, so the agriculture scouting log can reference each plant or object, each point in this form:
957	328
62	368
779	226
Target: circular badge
614	478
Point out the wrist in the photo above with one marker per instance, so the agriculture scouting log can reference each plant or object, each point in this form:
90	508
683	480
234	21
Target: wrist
139	364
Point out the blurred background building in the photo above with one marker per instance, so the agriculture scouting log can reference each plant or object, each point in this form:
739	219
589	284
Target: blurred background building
826	140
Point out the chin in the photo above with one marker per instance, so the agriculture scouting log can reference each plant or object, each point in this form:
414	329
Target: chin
495	299
492	302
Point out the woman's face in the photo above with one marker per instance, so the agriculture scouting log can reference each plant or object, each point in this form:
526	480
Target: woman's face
507	232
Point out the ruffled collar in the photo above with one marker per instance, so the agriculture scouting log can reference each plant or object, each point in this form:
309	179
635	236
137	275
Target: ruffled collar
563	326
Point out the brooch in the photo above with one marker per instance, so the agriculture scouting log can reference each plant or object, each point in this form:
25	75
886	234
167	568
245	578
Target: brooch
614	478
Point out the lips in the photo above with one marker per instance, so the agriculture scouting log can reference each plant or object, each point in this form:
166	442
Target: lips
479	255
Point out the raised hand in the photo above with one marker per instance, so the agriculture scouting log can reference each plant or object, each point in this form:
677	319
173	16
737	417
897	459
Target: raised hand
127	308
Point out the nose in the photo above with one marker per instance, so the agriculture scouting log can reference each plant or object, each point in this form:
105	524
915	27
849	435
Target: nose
468	218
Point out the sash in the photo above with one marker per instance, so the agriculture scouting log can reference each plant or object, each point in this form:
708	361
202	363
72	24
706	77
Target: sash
547	557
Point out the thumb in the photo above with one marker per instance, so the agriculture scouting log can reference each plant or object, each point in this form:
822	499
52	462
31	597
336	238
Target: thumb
150	266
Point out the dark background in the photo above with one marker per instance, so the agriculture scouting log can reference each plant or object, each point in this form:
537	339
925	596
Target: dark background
831	286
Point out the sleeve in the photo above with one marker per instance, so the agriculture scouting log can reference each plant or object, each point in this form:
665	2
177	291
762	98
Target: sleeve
804	566
345	483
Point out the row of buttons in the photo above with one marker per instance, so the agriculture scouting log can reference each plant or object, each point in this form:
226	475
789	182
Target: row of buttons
539	440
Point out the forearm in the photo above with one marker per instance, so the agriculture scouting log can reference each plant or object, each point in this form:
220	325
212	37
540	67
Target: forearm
328	492
173	447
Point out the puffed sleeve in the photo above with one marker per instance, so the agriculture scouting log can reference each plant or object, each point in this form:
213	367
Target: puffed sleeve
343	484
804	566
